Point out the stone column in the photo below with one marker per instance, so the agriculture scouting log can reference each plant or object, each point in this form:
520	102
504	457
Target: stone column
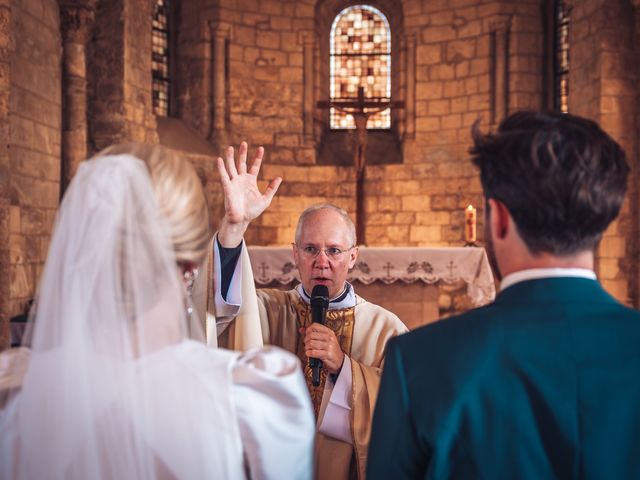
500	68
410	100
76	22
308	104
219	34
5	172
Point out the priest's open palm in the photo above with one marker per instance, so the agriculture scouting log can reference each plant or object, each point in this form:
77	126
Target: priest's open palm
243	200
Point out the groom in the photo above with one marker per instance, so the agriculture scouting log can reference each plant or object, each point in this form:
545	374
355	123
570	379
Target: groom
543	383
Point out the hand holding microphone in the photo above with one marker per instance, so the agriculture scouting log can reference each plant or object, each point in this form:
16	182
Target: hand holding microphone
320	342
319	306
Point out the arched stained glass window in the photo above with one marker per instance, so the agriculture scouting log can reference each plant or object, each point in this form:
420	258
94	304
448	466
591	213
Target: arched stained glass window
160	38
360	54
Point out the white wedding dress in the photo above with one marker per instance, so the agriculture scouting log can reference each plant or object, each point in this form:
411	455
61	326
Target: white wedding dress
114	388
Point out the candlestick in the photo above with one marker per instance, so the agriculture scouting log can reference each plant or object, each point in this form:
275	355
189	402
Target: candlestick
470	225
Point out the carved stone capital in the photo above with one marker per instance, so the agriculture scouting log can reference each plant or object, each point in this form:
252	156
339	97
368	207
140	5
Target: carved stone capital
219	29
500	23
76	20
409	40
306	38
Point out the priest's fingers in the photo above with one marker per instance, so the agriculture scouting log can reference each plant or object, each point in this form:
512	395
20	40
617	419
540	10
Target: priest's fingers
271	190
318	327
242	158
222	170
257	161
231	164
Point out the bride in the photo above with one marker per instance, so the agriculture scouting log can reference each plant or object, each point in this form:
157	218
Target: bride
114	387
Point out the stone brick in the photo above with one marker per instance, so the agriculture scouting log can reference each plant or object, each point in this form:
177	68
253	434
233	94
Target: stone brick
462	69
271	7
408	187
479	102
397	234
268	39
428	54
281	23
295	59
415	203
612	247
460	50
442	72
424	235
244	36
617	288
433	218
438	107
470	29
389	203
429	90
459	105
451	121
438	34
454	89
291	74
608	268
428	124
22	131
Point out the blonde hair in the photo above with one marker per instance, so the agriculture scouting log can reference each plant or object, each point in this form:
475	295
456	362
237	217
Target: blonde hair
179	194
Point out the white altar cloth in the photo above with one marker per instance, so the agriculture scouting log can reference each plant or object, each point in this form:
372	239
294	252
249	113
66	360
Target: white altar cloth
392	264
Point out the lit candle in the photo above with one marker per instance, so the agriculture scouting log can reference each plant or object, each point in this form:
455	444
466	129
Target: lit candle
470	224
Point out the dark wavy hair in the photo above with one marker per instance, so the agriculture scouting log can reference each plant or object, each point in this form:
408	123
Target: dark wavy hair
562	178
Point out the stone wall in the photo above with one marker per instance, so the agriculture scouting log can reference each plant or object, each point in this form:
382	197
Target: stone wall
254	70
5	170
34	123
603	82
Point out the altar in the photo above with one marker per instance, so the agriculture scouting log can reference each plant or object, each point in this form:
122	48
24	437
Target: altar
419	284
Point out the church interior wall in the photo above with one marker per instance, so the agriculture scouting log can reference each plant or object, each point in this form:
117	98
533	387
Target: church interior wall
33	117
254	70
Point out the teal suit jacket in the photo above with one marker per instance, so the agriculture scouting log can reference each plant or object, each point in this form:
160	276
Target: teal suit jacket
542	383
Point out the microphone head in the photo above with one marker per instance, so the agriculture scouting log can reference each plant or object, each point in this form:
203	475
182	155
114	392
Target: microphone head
320	291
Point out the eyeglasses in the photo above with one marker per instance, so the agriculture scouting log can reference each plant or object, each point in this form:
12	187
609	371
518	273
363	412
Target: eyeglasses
333	253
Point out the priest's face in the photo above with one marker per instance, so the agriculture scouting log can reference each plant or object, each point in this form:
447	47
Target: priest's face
324	253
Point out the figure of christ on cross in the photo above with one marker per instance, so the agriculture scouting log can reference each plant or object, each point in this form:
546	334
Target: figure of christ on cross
360	109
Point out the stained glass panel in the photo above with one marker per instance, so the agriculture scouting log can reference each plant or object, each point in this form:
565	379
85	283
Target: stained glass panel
562	22
360	57
160	58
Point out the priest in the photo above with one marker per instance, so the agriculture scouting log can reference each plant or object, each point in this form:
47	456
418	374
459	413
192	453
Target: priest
350	344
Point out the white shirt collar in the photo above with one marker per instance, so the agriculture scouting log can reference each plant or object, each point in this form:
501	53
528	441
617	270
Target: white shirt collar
535	273
346	299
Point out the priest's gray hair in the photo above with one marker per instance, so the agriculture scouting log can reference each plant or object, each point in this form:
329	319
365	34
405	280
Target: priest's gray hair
348	223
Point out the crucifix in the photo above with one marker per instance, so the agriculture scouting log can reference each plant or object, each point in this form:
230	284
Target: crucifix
360	110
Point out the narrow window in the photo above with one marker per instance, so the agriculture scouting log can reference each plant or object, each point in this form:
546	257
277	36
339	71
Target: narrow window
561	56
360	57
160	59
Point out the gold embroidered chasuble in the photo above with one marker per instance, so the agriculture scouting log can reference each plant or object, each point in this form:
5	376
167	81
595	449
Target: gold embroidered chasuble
363	332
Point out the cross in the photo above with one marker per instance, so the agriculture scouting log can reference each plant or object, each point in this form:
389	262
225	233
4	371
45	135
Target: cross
451	266
356	108
264	268
388	267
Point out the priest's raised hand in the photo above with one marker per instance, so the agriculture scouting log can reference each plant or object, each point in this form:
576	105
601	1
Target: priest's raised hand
243	201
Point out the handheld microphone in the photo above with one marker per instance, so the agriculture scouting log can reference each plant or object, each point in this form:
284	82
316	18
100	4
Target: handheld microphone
319	306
